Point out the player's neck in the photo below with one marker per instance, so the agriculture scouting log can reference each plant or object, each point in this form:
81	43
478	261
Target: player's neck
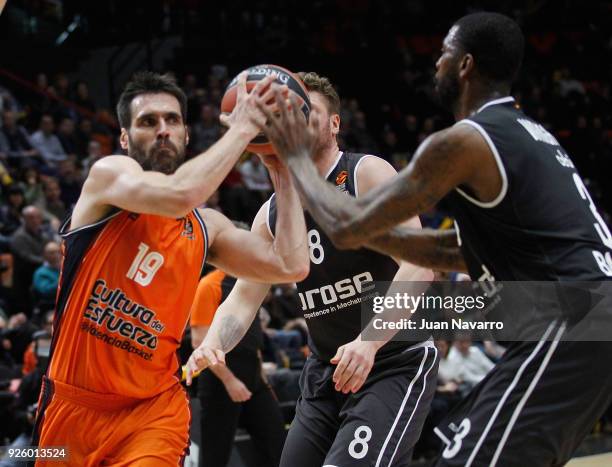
324	160
470	102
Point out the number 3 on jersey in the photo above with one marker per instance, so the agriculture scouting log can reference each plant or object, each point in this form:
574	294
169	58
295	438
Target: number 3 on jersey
314	245
603	261
145	265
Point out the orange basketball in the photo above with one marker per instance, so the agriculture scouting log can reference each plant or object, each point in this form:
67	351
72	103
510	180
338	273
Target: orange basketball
260	143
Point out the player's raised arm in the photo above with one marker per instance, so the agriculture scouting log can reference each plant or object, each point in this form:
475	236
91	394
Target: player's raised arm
153	179
233	317
444	161
256	255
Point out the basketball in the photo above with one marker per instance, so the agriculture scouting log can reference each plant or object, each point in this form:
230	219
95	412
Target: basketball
260	143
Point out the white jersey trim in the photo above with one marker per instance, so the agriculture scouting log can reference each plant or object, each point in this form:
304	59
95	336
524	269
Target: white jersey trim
501	100
416	406
64	234
334	165
200	220
269	203
500	166
355	179
400	412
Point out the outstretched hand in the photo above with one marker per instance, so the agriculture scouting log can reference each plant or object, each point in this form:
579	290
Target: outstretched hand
247	114
201	358
287	129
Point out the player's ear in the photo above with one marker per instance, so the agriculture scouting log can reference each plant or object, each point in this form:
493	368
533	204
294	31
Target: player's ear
466	65
123	139
186	135
335	124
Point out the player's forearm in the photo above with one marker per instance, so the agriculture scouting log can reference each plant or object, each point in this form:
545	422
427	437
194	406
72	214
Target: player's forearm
227	330
290	243
429	248
198	178
235	315
223	373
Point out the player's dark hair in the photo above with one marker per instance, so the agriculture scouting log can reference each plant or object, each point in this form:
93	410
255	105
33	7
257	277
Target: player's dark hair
322	85
148	82
496	43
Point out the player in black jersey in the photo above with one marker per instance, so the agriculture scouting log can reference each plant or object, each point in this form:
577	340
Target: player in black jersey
362	403
522	213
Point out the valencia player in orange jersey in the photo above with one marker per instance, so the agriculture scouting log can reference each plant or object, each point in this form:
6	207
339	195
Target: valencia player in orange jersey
133	252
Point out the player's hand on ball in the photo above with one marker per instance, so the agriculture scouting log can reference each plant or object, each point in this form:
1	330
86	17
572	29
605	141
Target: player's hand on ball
287	129
237	390
354	362
247	114
200	359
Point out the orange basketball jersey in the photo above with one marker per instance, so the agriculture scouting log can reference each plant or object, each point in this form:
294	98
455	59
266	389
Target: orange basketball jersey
126	288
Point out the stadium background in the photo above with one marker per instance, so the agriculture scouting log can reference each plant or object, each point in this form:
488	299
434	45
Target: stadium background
66	61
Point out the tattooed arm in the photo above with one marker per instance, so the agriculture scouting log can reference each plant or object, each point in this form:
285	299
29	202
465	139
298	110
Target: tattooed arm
457	156
234	316
230	324
429	248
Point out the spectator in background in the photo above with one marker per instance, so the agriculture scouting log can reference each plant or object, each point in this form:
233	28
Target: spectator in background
16	339
17	144
213	203
67	138
409	132
94	152
255	179
61	89
30	357
466	364
284	305
206	130
53	203
10	213
47	143
7	365
359	137
46	277
71	182
82	98
84	134
32	187
27	245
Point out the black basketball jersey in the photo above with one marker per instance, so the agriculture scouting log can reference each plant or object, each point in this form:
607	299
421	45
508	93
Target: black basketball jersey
543	225
339	281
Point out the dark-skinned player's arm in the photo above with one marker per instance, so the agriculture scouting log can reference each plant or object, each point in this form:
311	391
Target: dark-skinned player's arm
252	256
435	249
447	159
121	182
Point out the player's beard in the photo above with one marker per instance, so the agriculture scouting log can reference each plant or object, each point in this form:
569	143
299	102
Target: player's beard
447	90
163	156
325	140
